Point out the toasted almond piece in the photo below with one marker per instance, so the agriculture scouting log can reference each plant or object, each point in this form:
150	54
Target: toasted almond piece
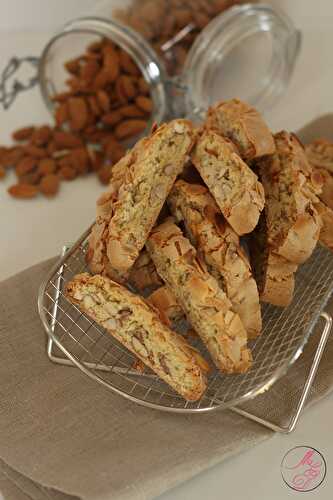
46	166
23	134
61	96
111	65
131	111
128	88
78	112
25	166
144	103
101	80
93	105
61	114
127	64
49	185
112	118
23	191
64	140
129	128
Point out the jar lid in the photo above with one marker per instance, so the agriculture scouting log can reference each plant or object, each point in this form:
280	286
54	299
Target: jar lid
247	52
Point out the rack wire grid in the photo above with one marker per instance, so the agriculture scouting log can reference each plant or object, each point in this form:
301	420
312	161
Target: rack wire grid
90	347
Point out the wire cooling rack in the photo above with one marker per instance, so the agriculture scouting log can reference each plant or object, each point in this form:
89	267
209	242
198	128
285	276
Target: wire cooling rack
89	347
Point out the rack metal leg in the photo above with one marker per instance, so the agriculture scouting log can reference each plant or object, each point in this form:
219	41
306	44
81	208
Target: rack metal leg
300	405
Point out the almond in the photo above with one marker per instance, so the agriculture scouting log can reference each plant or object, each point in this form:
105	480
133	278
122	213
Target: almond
73	66
128	88
23	134
32	178
41	135
61	114
66	140
93	105
144	103
23	191
143	86
80	160
112	118
111	64
131	111
68	173
89	70
12	156
46	166
103	100
104	174
62	96
49	185
78	113
127	64
35	151
25	166
101	80
129	128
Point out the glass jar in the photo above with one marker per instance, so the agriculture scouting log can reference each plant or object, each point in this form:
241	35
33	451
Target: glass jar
247	51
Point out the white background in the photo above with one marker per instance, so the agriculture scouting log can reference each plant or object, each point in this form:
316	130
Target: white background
37	229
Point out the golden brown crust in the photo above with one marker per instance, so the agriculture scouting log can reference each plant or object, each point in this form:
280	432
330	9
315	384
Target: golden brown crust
320	154
232	183
274	274
326	233
165	301
291	190
244	125
206	306
143	274
146	186
136	324
220	247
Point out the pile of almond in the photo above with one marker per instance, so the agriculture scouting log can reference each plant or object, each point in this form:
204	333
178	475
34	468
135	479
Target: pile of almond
171	26
107	103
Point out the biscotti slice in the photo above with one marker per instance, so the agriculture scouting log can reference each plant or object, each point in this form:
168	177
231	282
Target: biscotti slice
96	254
165	301
136	325
291	190
320	154
244	125
206	306
235	187
147	184
220	247
326	195
274	274
143	274
326	232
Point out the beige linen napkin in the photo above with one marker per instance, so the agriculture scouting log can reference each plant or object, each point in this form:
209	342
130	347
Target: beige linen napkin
61	433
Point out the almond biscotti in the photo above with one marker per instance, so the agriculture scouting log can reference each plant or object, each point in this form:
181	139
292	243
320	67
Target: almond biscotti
165	301
96	254
143	274
320	156
326	232
136	325
244	126
220	247
206	306
232	183
274	274
146	186
291	190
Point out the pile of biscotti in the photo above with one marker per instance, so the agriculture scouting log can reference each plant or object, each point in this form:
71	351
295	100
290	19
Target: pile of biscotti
171	221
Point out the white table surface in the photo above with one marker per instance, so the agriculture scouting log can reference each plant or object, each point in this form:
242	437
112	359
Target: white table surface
37	229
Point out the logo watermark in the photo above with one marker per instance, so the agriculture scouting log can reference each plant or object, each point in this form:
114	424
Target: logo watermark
303	468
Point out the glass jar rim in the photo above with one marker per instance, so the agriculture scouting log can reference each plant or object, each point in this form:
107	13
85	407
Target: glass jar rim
223	32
